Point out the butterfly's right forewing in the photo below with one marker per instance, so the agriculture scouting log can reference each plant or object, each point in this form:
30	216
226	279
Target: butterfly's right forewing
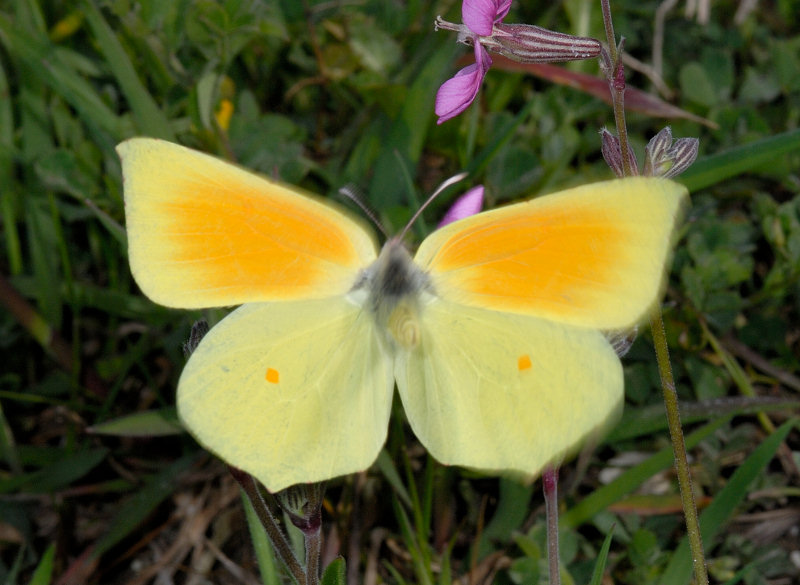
203	232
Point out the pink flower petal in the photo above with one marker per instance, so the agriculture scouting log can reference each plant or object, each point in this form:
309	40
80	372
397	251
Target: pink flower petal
479	15
457	93
468	204
501	10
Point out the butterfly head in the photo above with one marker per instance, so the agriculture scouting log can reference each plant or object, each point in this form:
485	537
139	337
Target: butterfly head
395	288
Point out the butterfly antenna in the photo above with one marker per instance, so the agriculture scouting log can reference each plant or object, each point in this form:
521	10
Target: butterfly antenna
451	181
352	193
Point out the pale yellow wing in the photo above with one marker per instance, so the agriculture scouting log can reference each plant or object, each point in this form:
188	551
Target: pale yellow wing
593	256
290	392
203	232
498	391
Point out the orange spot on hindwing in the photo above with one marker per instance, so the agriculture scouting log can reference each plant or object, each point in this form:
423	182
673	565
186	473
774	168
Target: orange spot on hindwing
524	362
273	377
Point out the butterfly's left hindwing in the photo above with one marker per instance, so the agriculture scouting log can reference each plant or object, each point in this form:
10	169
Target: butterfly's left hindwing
496	391
291	392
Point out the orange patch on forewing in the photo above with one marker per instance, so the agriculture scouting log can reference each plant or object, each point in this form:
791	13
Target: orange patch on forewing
243	240
560	258
524	363
272	376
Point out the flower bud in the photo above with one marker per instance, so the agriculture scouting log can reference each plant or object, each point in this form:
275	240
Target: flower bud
527	43
303	505
612	153
665	158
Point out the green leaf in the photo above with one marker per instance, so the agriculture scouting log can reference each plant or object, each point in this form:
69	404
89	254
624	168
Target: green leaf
407	133
58	474
270	574
512	509
696	85
43	61
714	169
150	120
335	573
43	574
151	423
602	557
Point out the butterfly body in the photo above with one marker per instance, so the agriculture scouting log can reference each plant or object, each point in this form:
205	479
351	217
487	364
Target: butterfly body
492	333
396	292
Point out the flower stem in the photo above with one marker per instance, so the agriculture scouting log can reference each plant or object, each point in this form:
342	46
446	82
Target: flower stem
616	82
276	536
313	548
679	448
550	489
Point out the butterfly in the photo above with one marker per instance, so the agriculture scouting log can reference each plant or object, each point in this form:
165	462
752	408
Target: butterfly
492	332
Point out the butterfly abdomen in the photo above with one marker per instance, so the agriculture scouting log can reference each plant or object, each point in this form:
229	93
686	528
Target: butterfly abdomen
394	286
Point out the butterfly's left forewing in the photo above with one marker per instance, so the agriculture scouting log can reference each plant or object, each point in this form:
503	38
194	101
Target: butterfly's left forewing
497	391
291	392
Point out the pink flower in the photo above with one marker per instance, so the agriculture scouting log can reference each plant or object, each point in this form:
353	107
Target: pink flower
479	16
457	93
468	204
484	30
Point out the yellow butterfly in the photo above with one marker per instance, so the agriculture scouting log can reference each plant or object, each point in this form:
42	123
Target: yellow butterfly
492	332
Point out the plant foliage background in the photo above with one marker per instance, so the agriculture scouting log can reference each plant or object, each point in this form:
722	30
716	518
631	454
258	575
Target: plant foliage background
98	484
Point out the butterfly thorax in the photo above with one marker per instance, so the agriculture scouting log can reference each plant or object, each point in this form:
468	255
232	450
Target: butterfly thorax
394	288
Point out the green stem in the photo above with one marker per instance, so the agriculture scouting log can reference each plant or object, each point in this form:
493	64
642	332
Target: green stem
276	536
616	82
679	448
616	86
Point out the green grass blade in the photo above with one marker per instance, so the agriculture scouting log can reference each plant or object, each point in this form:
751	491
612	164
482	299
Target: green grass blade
481	160
43	574
714	169
628	481
148	423
270	573
41	59
408	131
602	558
725	504
58	474
150	120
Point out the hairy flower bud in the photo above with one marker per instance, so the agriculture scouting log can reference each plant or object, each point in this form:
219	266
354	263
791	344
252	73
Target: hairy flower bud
665	158
612	153
527	43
